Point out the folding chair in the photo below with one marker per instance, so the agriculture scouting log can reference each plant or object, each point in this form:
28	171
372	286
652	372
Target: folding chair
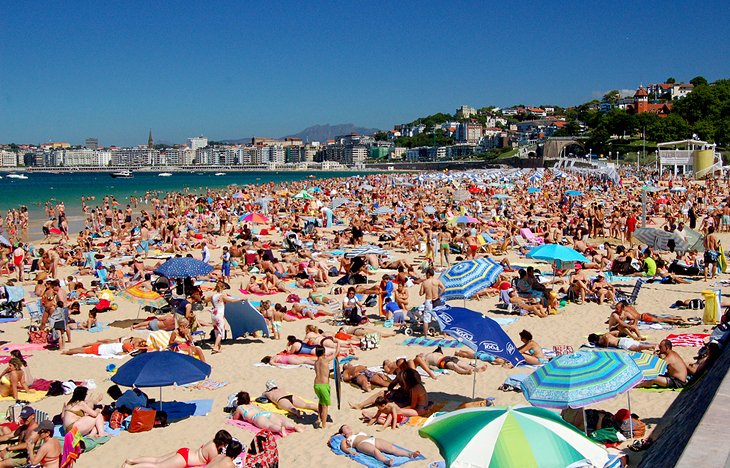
35	312
634	296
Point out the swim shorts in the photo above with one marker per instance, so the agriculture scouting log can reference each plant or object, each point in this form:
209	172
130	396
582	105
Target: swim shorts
627	343
323	394
673	382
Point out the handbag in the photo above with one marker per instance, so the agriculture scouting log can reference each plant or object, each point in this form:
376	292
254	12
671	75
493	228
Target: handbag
37	336
143	420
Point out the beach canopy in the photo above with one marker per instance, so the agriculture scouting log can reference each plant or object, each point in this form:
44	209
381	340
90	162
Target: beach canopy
161	369
478	332
464	279
556	252
243	318
338	202
574	193
581	379
510	437
366	250
661	239
142	296
183	267
255	218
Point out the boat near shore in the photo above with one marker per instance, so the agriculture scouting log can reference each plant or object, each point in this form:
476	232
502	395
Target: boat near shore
122	175
17	176
164	174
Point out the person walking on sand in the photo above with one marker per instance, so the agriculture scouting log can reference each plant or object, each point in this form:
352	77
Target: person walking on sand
431	289
219	300
322	382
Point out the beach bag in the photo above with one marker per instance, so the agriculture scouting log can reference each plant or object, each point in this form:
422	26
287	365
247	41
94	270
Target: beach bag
55	388
262	453
143	420
639	428
371	300
293	298
37	336
116	420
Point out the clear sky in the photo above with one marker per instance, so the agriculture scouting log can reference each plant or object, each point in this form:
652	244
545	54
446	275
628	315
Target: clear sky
113	70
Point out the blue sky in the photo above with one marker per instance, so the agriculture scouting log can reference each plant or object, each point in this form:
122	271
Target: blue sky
113	70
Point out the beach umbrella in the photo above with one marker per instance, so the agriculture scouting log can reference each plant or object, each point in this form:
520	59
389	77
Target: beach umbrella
695	240
678	189
183	267
464	279
574	193
464	220
661	239
580	379
367	187
556	253
142	296
487	238
501	196
533	189
303	195
651	365
338	202
462	195
243	318
4	241
238	195
160	369
256	218
366	250
429	210
477	331
382	210
510	437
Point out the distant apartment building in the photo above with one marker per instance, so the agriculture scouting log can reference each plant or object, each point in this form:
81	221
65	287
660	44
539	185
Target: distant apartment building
469	132
85	157
465	112
55	145
91	143
8	158
195	143
398	152
140	156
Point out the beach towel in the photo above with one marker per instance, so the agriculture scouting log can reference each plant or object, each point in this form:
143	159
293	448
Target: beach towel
100	326
430	342
206	384
179	410
23	347
6	359
504	321
370	462
30	397
434	408
654	326
8	320
126	323
159	340
284	366
247	426
694	340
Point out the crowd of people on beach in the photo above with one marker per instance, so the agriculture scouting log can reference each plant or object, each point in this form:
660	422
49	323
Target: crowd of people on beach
294	240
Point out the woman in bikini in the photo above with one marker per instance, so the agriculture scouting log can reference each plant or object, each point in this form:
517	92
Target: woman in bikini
186	456
370	445
13	379
295	346
530	350
77	413
287	401
257	287
48	455
227	458
315	336
262	419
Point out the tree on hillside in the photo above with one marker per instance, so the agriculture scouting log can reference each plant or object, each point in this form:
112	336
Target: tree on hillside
380	136
670	80
611	96
698	81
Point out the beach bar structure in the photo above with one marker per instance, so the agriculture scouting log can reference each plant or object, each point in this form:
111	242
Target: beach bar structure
689	157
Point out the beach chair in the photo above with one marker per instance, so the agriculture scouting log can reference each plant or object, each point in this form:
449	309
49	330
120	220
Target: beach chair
634	296
531	237
522	243
35	312
103	279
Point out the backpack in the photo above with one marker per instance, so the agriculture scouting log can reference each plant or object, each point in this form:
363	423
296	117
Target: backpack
371	300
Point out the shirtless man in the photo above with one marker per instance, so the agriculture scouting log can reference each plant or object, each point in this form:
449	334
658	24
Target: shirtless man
711	244
602	289
393	367
624	319
677	370
611	340
523	304
438	360
431	289
286	401
364	378
631	313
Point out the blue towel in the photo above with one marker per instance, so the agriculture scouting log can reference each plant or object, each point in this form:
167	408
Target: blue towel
504	321
430	342
100	326
515	379
337	252
6	320
179	410
15	293
367	460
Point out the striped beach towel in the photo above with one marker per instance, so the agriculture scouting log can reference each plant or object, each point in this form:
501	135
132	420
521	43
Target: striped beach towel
693	340
431	342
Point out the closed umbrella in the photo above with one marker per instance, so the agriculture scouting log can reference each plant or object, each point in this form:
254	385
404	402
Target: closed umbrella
366	250
183	267
464	279
243	318
478	332
661	239
510	437
161	369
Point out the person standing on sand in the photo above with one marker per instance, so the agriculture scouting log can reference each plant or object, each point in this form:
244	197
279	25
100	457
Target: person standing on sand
712	249
144	239
322	382
431	289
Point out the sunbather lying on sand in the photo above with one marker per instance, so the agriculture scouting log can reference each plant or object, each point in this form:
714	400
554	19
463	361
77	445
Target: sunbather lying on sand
109	347
245	411
287	401
438	360
370	445
611	340
364	378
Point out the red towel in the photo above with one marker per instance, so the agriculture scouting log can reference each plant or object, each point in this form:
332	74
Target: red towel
694	340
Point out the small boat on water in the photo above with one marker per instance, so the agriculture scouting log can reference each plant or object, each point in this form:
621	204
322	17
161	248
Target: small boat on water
122	174
164	174
219	174
17	176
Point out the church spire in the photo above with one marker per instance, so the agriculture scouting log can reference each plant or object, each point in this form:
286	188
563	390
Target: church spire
150	141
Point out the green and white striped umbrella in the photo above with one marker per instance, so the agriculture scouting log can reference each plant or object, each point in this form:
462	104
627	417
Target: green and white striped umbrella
504	437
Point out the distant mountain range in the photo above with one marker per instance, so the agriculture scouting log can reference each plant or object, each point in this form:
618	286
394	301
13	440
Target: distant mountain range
316	133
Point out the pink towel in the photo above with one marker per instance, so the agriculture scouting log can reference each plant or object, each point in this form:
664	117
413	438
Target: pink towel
23	347
247	426
6	359
694	340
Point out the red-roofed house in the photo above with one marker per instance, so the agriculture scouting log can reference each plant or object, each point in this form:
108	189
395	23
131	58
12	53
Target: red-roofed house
641	104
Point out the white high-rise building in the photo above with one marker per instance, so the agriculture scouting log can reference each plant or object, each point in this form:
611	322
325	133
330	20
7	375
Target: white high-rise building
8	159
197	142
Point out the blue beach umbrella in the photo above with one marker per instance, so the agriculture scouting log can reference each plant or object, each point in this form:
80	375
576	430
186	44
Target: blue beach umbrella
183	267
574	193
243	318
580	379
556	252
464	279
429	210
501	196
382	210
477	331
533	189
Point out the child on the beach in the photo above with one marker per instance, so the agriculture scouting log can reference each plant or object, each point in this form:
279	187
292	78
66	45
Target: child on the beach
388	410
322	382
89	323
277	317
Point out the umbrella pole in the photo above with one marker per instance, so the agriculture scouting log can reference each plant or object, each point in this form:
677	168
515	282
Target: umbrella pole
161	399
585	422
474	383
631	420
